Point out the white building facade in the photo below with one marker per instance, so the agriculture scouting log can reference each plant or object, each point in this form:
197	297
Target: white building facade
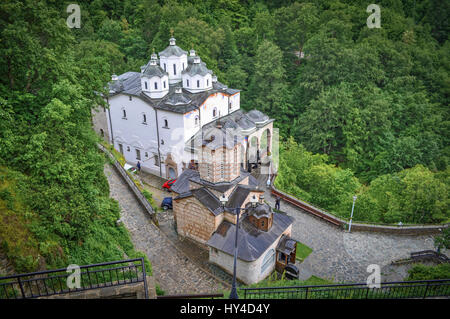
152	115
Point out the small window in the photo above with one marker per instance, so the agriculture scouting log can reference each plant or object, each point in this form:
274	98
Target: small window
187	83
166	124
165	68
144	119
196	120
183	65
138	154
156	160
146	154
215	112
207	82
146	86
174	69
124	113
262	223
128	148
162	142
164	84
156	85
198	83
131	98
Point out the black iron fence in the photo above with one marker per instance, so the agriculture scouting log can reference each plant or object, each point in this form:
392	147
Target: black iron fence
387	290
54	282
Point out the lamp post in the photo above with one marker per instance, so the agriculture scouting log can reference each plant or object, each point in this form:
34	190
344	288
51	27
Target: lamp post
224	200
351	216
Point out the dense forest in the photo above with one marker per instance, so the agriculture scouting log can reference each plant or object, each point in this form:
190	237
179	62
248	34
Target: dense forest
361	111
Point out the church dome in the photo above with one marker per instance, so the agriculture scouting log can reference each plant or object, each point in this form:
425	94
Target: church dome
154	80
173	60
197	77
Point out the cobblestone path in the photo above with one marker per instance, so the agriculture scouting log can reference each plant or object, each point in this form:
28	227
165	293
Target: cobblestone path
343	256
173	271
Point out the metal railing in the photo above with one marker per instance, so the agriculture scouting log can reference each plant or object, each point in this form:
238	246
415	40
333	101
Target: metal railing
387	290
54	282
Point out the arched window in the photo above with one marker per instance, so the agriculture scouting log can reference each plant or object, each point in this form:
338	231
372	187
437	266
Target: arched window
146	86
207	82
164	84
215	112
144	118
198	83
124	113
165	68
174	69
166	124
156	85
268	261
187	82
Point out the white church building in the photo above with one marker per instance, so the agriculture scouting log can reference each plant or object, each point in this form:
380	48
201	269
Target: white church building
154	115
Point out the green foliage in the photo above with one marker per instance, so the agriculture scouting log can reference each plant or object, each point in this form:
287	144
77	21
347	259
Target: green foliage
443	240
422	272
414	195
55	206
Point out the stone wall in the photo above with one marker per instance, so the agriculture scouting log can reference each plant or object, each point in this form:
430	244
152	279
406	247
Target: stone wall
193	219
100	122
127	291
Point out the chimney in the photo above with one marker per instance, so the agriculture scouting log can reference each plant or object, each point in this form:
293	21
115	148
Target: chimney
192	52
214	78
197	60
261	199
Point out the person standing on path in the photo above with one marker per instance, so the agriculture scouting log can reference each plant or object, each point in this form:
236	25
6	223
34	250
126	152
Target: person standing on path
277	203
139	166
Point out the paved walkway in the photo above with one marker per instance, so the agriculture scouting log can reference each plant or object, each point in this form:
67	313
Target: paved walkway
173	271
343	256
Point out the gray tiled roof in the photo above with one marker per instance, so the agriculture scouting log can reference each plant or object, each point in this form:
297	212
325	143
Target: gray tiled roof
197	68
154	70
172	50
208	199
252	241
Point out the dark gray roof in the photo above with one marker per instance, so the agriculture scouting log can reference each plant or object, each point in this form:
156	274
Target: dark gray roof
252	241
181	186
172	50
259	211
197	68
286	245
177	99
154	70
128	83
257	116
238	196
208	199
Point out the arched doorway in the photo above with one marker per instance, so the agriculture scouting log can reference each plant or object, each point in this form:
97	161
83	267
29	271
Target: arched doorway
252	150
172	174
266	146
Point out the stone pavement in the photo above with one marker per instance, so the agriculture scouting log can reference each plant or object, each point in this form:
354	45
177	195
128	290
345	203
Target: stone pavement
172	269
343	257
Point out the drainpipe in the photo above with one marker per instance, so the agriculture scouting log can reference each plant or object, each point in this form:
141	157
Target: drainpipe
157	134
110	122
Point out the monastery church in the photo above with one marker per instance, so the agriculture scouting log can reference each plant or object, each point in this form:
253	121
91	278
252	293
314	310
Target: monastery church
179	121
